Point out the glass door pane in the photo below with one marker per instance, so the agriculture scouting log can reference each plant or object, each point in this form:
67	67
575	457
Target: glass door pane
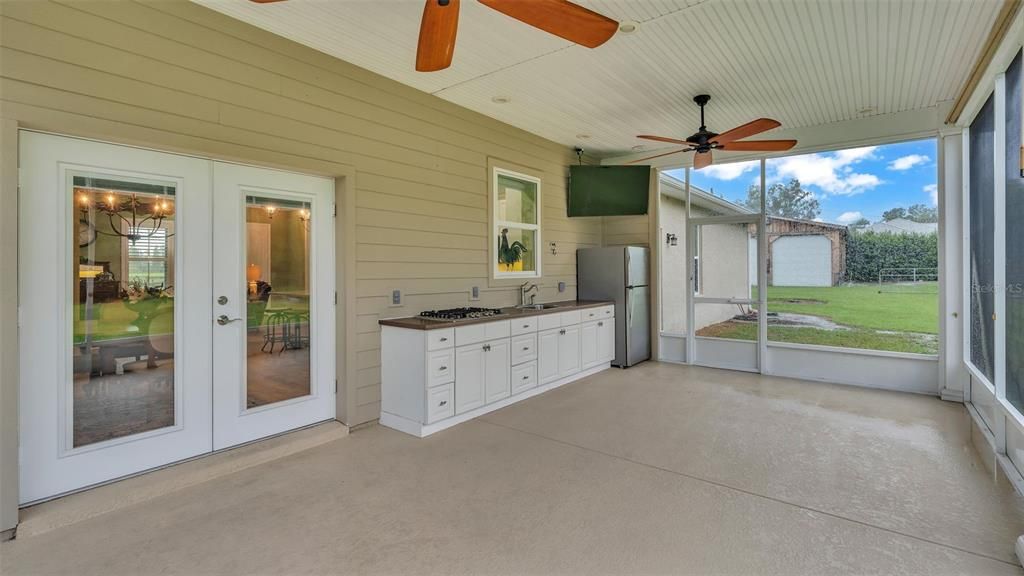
278	336
123	308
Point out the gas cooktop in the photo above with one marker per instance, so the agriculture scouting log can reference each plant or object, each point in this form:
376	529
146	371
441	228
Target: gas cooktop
460	313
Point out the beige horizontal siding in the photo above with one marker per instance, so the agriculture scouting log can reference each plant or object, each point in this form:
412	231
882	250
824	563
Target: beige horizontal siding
174	75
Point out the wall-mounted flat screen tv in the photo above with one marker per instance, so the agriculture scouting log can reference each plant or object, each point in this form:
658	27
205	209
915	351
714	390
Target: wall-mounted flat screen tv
608	190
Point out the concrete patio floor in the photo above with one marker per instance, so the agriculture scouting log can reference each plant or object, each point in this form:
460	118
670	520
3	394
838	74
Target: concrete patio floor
656	469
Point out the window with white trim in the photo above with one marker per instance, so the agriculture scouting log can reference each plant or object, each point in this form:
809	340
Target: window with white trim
148	260
516	203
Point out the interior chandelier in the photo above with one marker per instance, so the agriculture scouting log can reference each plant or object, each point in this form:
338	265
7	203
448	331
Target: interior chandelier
129	217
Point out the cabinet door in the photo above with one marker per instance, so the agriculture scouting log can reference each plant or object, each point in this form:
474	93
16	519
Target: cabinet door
497	364
569	351
588	344
606	340
547	355
469	377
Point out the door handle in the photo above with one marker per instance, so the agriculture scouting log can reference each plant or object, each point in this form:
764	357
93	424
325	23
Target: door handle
224	320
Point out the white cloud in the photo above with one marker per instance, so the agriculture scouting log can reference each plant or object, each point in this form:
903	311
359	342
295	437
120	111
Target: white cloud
908	162
729	171
849	217
933	193
832	173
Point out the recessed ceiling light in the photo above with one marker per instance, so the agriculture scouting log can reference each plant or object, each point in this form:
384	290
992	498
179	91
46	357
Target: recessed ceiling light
583	136
501	99
629	26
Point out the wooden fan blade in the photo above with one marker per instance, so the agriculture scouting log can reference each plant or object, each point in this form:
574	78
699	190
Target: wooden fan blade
747	130
666	139
437	35
265	1
561	18
702	160
658	156
759	146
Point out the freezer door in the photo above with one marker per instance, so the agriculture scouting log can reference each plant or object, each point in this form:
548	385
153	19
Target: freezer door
637	331
637	265
599	274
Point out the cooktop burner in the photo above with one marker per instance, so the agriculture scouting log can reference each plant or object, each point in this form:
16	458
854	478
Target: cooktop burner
460	313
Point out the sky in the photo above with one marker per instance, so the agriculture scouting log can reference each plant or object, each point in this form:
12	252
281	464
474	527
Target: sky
849	184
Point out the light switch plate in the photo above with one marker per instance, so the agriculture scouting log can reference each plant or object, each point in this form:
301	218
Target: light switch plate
561	286
396	298
474	293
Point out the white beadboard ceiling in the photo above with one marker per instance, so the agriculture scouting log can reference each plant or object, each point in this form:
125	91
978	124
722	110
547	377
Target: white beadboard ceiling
802	62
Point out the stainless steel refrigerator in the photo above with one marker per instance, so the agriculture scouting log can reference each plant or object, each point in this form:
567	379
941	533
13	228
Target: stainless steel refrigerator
620	274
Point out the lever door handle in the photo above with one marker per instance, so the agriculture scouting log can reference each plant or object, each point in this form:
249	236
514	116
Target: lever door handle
223	319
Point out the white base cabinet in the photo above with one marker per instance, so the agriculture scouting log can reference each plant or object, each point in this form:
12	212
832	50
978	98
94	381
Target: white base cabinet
434	379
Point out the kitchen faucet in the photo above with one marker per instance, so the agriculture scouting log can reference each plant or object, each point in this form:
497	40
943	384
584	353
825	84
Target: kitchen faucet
525	289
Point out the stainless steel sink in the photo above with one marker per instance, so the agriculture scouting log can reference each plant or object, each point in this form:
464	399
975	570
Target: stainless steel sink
538	306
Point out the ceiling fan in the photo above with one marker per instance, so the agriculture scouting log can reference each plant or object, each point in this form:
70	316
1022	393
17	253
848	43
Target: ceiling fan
704	141
562	18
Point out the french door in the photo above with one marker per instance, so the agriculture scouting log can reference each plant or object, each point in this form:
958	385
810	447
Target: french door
273	277
124	257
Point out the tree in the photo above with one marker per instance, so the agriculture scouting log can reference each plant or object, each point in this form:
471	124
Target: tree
922	213
893	214
916	213
788	200
859	224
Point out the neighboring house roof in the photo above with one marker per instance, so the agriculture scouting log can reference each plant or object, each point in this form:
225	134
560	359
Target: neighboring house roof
817	223
903	226
677	189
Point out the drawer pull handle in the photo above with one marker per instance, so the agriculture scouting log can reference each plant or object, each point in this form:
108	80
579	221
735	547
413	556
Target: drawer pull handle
444	338
526	325
526	377
562	331
600	323
526	348
443	403
443	368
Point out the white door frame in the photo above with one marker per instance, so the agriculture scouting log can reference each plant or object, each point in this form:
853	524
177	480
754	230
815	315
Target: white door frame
692	225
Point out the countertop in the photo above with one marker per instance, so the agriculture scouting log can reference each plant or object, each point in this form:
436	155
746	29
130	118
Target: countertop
420	323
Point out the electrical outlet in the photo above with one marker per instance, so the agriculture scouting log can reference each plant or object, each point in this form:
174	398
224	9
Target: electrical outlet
396	297
474	293
561	286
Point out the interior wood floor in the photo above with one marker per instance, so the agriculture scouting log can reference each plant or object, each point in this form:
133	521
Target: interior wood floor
142	399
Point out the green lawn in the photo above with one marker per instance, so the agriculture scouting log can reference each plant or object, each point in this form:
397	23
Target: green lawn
900	321
117	319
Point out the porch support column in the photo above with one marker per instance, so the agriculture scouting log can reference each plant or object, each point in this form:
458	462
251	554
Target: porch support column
952	315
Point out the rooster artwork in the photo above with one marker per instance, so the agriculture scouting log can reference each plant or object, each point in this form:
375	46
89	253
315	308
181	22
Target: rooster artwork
509	254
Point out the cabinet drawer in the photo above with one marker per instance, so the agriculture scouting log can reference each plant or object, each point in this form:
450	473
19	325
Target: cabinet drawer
442	338
549	321
440	367
524	348
571	317
589	314
440	404
524	325
606	311
524	377
482	332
